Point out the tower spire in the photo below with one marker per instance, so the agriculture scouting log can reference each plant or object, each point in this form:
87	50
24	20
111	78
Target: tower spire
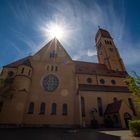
107	52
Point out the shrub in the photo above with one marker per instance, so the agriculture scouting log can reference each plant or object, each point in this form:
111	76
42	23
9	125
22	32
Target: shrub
134	126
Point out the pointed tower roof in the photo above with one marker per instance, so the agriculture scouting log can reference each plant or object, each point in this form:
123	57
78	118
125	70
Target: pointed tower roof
103	33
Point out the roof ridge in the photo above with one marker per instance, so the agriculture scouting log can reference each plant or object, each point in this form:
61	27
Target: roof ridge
18	62
87	62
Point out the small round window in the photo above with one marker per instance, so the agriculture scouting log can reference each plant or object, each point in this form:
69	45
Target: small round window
89	80
102	81
50	82
113	82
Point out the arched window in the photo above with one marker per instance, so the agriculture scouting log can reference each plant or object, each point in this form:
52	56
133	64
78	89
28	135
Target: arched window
9	79
132	106
10	74
115	99
22	71
113	82
31	108
100	107
54	108
42	108
83	107
65	109
1	105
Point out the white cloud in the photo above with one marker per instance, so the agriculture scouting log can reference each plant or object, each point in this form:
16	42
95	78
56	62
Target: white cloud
85	54
91	53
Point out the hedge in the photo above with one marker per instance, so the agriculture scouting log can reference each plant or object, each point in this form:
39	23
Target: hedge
134	126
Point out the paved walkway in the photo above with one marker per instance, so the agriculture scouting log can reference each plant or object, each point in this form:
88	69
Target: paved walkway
64	134
124	134
53	134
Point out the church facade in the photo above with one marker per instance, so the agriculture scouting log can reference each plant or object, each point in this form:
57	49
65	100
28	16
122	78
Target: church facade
51	89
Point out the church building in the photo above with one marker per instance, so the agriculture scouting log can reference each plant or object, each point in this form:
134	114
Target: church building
50	89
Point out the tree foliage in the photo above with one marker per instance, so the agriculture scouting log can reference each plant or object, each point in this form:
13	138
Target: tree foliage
133	82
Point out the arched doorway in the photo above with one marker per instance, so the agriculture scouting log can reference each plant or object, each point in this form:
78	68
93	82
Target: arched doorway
127	117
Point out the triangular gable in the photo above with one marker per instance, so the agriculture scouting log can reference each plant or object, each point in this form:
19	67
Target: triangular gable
52	51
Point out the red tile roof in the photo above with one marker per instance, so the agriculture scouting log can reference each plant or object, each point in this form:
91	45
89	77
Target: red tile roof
113	107
97	68
24	61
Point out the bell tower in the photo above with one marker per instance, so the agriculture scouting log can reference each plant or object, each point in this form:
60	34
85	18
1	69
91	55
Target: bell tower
107	52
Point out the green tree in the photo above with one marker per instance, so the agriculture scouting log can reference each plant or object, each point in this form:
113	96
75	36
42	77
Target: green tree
133	82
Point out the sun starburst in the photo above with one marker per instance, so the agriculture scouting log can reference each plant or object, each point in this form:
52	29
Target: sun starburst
54	30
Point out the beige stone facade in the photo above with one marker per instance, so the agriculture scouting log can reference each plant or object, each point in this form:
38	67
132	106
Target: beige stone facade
49	88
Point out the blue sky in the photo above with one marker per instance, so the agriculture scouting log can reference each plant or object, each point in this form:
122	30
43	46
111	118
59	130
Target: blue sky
21	22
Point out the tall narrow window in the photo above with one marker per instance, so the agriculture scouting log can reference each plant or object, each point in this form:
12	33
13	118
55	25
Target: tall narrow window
31	108
132	106
83	107
56	68
50	55
65	109
1	105
22	71
52	68
29	72
48	68
42	108
100	107
54	107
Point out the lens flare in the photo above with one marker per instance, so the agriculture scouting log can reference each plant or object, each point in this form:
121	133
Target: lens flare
53	30
56	31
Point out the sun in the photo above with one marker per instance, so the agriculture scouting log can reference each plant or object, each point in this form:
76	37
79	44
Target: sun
54	30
